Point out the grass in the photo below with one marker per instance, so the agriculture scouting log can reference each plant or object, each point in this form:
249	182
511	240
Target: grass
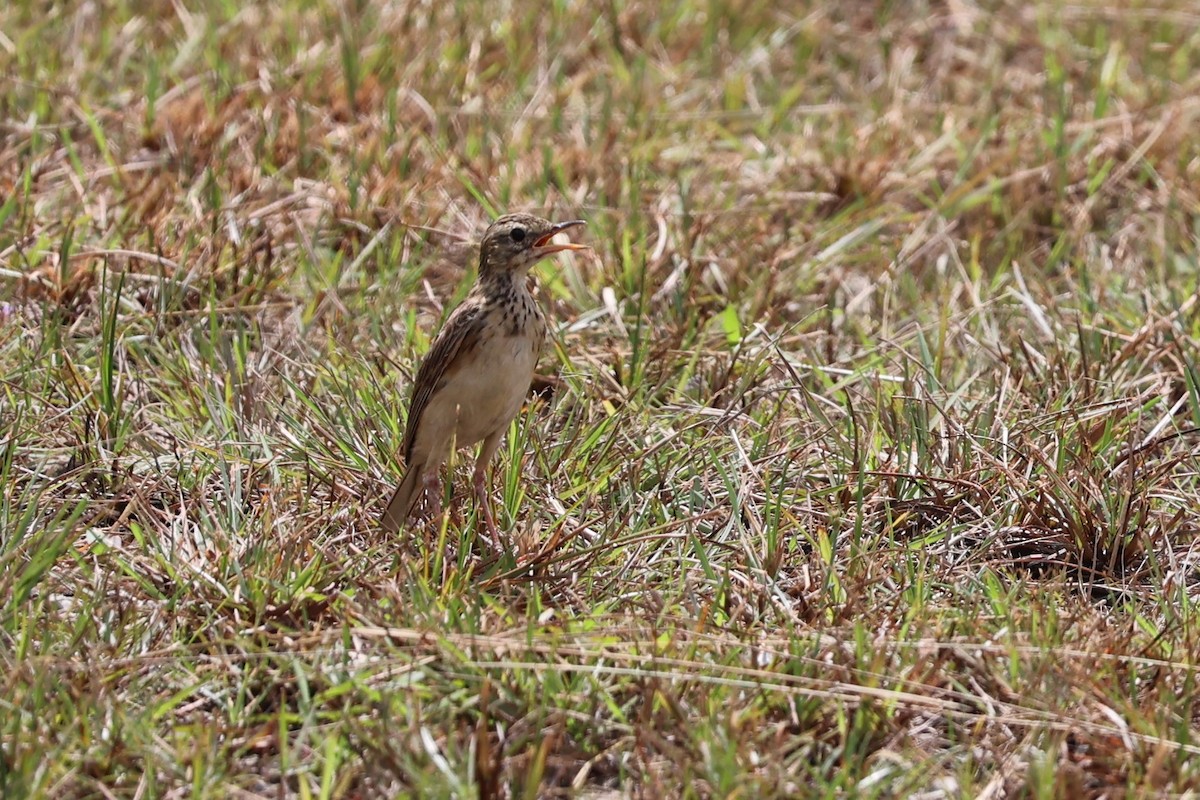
868	465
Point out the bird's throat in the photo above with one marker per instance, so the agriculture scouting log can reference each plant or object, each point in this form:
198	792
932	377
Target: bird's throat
500	286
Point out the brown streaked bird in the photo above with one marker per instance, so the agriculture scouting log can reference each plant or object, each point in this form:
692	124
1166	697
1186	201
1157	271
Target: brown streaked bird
478	370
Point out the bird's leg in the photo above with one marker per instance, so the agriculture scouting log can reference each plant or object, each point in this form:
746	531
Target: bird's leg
433	491
485	505
490	445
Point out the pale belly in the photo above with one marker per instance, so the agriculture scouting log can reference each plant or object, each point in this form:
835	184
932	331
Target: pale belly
489	396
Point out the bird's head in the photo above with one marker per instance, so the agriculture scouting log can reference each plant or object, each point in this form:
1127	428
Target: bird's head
515	242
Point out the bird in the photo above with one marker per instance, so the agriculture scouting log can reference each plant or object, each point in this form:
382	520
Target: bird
472	382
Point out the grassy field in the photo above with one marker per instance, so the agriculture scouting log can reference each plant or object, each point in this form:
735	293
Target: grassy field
864	463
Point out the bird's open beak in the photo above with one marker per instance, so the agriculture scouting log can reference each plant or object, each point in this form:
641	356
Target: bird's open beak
543	246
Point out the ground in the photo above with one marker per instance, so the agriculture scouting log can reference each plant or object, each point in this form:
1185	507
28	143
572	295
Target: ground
863	461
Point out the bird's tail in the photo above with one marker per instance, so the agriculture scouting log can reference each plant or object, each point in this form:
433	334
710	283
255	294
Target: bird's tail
403	499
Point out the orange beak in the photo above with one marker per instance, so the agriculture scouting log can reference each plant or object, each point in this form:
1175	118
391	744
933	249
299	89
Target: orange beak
543	246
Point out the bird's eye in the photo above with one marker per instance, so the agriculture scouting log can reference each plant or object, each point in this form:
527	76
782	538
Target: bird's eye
518	234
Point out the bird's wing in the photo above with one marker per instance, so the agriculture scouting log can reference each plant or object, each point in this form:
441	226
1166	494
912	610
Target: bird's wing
461	334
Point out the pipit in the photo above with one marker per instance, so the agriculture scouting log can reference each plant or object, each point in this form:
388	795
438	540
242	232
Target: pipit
478	370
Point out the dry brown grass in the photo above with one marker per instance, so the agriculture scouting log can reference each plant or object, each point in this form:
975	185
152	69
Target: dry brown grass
866	458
